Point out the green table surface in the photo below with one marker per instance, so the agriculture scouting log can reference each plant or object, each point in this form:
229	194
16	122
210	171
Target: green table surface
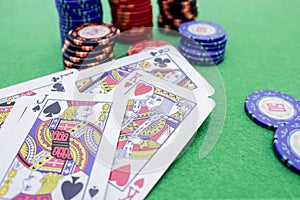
262	53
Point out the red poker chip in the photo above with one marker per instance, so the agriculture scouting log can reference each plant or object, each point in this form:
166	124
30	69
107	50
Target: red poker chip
136	29
132	36
134	13
140	46
133	18
131	33
134	39
124	25
141	8
129	14
130	6
126	2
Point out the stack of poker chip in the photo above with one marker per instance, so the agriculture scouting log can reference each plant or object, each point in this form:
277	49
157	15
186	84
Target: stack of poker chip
74	13
202	43
89	45
145	45
280	113
133	18
175	12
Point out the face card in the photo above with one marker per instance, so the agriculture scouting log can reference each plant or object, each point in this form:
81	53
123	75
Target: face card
159	120
64	148
165	62
51	83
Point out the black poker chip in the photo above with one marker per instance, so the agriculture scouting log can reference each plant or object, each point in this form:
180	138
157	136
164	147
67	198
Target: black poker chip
91	34
90	59
84	54
89	45
172	13
68	64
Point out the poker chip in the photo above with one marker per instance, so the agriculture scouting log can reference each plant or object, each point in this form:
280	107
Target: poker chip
202	39
133	18
93	34
84	54
140	46
73	14
69	64
74	47
271	109
206	61
89	59
286	144
200	53
173	13
202	31
136	34
89	45
214	46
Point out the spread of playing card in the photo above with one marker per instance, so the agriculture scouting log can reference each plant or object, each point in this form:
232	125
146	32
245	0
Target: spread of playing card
107	132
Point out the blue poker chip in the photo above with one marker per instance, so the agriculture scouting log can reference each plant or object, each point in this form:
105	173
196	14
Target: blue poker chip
271	109
207	62
286	144
77	4
189	43
79	18
74	13
200	53
202	31
80	21
204	61
80	11
201	58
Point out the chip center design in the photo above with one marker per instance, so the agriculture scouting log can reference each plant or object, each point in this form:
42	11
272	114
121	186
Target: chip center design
276	108
94	32
295	142
202	29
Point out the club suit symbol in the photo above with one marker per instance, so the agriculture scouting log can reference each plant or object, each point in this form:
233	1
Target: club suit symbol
161	62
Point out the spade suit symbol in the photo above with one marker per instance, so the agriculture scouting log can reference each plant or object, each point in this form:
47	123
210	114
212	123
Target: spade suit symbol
93	191
71	189
52	109
36	108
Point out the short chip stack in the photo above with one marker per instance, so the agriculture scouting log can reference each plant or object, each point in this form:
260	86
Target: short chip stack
202	43
145	44
74	13
89	45
175	12
279	112
133	18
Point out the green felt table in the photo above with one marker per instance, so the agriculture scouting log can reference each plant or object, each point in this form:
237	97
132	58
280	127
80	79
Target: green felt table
262	53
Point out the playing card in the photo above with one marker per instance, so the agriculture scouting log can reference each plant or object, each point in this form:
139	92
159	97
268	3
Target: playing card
159	120
62	148
51	83
187	68
166	63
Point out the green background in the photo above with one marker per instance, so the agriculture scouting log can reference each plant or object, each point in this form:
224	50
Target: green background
262	53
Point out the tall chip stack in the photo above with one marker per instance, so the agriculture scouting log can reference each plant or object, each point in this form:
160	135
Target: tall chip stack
133	18
175	12
202	43
89	45
74	13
